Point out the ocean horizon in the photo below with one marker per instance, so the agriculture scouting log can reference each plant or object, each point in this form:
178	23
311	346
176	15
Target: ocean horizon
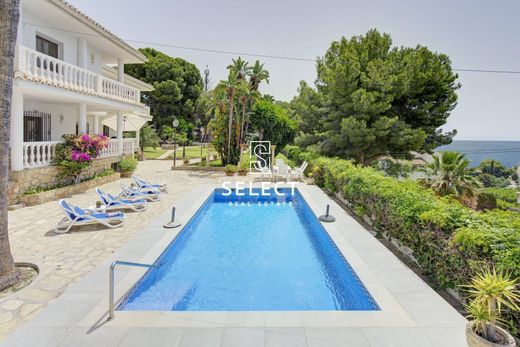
507	152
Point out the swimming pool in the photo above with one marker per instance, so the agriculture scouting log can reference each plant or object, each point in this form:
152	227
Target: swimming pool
251	253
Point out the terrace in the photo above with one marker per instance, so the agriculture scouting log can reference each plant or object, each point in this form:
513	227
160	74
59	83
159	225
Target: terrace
74	279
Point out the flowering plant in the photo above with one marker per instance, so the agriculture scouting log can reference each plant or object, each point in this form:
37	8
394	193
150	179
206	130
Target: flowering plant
77	152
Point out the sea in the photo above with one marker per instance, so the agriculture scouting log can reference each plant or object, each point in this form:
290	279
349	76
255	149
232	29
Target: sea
507	152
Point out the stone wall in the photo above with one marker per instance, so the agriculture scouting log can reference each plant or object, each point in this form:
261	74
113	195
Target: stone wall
21	181
63	192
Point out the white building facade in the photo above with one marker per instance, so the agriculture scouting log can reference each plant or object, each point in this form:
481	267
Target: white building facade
69	79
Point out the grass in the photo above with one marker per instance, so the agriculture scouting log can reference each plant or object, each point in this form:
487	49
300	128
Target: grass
191	152
213	163
150	153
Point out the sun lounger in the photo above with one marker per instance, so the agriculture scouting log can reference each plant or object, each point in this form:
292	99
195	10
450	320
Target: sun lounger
132	193
117	203
76	216
142	184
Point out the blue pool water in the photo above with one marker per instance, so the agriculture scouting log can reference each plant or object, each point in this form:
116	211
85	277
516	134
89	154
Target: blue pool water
251	253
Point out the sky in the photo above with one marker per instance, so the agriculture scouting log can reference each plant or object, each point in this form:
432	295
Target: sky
476	34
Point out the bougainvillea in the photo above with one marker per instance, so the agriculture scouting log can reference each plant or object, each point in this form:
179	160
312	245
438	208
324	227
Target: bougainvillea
77	152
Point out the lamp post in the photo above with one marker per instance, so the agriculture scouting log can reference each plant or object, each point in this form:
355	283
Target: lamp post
175	124
201	140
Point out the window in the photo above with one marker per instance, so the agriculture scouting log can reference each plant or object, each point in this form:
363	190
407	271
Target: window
106	130
46	47
36	126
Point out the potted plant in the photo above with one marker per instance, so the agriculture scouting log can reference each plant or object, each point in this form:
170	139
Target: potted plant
99	206
127	167
231	169
489	291
243	166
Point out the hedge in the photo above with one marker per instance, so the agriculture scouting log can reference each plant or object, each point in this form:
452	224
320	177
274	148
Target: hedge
449	241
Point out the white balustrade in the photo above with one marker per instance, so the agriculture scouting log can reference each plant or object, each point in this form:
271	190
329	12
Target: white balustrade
128	146
40	67
112	150
37	154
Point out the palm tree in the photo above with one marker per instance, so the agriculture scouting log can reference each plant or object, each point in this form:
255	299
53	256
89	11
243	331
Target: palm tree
9	15
258	74
240	68
244	94
229	86
148	137
449	174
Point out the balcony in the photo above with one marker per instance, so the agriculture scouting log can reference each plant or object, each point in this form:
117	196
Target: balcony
35	66
39	154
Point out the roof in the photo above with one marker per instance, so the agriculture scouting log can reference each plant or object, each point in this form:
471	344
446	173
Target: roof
65	6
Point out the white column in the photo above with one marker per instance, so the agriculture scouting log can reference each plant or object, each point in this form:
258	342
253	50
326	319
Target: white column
16	142
82	53
96	124
120	128
120	70
82	121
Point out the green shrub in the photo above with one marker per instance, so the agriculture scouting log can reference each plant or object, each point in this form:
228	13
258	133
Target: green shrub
506	194
126	165
231	168
486	201
450	241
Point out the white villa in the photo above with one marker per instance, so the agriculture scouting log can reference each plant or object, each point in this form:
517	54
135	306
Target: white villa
69	79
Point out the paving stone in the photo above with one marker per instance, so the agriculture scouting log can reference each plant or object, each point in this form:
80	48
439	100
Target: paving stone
65	258
11	305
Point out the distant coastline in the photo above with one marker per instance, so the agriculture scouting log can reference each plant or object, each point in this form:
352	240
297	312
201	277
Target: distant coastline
507	152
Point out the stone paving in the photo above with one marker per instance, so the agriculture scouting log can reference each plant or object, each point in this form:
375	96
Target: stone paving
65	258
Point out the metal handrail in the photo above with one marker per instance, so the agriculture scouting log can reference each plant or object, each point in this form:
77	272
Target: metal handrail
111	282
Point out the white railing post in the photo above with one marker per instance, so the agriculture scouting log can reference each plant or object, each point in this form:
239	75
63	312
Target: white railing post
43	68
37	154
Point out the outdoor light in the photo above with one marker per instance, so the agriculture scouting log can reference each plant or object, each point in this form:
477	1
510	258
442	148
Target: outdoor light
175	124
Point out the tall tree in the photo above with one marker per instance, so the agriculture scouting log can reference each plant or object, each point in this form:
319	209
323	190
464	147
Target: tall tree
9	15
229	87
257	75
378	100
177	86
240	68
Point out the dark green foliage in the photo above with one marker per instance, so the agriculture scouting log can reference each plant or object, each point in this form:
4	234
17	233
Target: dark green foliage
272	123
486	201
372	100
488	180
177	85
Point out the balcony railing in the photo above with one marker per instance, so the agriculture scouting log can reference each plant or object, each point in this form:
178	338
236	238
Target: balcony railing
39	154
36	66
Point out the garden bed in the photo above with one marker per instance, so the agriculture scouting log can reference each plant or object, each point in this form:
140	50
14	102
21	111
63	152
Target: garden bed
66	191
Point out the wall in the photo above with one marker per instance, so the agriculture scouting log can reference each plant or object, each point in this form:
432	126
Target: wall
68	42
70	113
21	181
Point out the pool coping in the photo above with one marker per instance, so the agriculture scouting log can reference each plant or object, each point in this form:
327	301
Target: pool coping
412	313
391	313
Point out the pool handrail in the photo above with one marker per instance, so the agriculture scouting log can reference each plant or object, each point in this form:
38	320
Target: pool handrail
111	282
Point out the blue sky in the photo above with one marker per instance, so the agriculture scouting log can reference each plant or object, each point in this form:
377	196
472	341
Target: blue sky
476	34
